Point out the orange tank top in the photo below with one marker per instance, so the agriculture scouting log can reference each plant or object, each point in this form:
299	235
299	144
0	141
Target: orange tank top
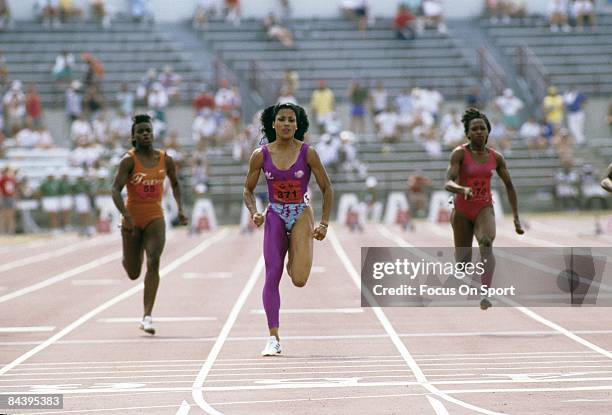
145	186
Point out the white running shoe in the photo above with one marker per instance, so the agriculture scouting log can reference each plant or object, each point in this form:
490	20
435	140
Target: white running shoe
272	348
146	325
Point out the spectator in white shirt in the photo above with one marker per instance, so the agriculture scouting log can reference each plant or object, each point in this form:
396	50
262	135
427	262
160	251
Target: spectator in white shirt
509	106
204	129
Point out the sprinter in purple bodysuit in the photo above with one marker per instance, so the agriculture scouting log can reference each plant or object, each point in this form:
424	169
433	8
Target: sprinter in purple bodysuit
287	163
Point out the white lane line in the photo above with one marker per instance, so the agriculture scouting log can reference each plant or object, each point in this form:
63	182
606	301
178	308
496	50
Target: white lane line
437	406
336	337
509	355
156	319
184	409
401	347
53	254
84	318
564	332
207	275
95	282
528	312
60	277
33	329
197	394
313	311
164	391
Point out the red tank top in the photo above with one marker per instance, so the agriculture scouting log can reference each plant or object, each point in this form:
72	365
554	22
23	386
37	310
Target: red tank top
477	176
145	184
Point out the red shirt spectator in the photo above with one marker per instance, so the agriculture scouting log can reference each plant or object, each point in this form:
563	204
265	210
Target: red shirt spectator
403	18
33	104
203	100
8	185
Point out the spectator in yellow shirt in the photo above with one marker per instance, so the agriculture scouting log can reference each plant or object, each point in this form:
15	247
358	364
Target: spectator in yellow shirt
322	105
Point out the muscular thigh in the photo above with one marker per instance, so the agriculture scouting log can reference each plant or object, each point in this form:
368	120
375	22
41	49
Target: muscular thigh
154	237
484	226
463	229
132	244
300	241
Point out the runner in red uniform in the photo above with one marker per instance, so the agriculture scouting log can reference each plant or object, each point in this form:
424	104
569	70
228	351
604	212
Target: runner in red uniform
469	177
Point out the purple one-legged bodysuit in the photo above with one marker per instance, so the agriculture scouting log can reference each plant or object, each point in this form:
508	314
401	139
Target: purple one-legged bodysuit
287	194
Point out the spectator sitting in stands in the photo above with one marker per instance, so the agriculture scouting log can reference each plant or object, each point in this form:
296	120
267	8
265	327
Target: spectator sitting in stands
94	74
232	11
517	9
357	10
226	98
204	130
358	96
44	138
584	10
6	22
531	133
26	137
591	189
574	104
553	107
404	107
63	67
142	92
158	101
285	96
498	137
170	80
404	23
100	12
566	186
328	150
47	11
557	16
33	105
322	103
454	134
81	132
387	125
204	11
74	101
100	128
291	80
475	98
333	124
141	10
67	10
347	152
432	9
14	108
564	144
93	102
203	99
120	129
125	99
276	31
497	10
509	105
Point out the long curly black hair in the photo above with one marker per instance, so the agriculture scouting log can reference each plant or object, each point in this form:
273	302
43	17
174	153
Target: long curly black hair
269	114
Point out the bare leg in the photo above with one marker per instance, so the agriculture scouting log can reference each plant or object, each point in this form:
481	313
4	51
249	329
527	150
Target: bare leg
133	251
154	239
463	233
484	230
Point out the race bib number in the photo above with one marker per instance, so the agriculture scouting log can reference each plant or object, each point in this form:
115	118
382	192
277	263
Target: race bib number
481	190
149	191
287	191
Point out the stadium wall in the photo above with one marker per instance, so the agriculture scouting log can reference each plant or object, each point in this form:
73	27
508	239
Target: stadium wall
173	11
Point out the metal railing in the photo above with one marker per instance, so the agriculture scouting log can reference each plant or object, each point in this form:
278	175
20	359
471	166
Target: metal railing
530	68
490	71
